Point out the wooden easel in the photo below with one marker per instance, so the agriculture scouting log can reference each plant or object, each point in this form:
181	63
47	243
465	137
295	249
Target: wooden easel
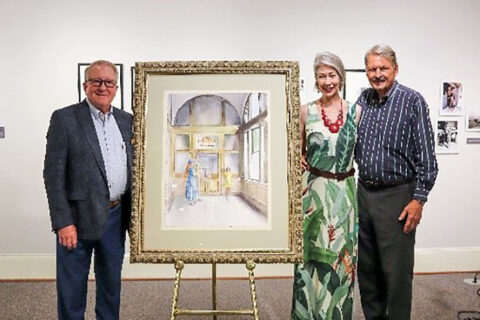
214	312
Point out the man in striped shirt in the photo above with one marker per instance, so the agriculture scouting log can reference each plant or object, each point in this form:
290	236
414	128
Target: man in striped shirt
397	169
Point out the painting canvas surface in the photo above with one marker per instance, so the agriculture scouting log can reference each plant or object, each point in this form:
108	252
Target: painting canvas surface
217	163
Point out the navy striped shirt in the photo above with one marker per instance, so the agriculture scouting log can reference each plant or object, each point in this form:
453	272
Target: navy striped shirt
395	139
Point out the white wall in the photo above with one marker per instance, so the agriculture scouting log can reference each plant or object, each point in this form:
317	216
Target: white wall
42	42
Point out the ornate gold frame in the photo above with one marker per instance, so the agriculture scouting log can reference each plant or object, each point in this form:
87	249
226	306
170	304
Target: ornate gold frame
288	72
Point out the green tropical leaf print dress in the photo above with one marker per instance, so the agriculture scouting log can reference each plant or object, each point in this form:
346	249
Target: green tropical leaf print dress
323	284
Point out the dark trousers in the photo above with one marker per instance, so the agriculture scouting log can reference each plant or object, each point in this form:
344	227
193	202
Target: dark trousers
73	267
385	253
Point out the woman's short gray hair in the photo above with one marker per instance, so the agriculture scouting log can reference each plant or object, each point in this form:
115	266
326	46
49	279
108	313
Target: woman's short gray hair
383	50
332	60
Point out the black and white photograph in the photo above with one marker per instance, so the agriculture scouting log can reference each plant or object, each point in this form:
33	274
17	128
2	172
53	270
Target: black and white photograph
473	119
451	99
117	101
446	136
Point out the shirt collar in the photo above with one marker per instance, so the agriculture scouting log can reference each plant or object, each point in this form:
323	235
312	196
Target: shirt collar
374	96
97	114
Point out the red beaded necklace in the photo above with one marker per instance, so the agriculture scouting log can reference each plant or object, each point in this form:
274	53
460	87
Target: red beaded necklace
334	127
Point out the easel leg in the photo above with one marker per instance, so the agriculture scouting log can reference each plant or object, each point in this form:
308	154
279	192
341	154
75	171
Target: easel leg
250	267
179	267
214	288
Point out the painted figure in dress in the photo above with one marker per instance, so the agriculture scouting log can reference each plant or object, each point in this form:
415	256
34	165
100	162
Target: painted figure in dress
191	186
227	181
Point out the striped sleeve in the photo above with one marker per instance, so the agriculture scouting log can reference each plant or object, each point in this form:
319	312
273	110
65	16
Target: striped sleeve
426	167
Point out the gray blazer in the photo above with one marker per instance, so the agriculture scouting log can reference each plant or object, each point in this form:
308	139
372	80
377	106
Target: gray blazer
74	171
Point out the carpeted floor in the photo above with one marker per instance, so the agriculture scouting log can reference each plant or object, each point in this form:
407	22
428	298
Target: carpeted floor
436	297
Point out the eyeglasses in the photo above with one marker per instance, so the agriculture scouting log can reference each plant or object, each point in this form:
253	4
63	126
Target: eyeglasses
99	82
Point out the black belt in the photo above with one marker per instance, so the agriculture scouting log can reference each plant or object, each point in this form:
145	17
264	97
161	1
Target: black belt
331	175
375	185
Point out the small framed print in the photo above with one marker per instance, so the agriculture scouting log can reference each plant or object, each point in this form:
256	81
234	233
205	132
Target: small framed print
473	119
446	136
451	99
117	101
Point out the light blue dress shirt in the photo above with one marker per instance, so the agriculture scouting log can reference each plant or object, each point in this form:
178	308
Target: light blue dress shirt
113	150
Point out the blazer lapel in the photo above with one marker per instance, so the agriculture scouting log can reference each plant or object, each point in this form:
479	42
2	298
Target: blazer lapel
86	123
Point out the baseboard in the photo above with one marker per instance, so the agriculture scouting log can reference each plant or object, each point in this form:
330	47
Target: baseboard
437	260
434	260
16	267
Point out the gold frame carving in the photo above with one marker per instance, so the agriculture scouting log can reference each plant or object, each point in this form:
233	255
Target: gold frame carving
288	73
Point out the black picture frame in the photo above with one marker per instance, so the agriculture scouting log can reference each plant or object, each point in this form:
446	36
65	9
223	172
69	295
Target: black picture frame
132	86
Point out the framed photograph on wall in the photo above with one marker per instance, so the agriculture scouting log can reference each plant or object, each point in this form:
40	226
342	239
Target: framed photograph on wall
117	101
217	175
446	136
473	119
451	99
355	82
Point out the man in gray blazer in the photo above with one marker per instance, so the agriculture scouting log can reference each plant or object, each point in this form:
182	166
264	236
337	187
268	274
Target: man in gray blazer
87	177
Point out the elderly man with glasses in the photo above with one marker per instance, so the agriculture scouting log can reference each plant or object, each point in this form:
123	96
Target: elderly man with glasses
87	177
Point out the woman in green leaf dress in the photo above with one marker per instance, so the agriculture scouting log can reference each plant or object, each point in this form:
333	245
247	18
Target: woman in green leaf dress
323	284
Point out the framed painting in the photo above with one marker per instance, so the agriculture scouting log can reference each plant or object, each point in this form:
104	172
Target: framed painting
217	175
355	82
117	101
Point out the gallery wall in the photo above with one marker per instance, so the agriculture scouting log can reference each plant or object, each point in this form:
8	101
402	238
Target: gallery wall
43	41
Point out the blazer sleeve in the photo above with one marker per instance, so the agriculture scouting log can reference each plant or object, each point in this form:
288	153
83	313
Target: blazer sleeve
55	173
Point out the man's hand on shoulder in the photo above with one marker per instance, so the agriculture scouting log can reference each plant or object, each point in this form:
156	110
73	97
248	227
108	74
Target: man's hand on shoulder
67	236
413	213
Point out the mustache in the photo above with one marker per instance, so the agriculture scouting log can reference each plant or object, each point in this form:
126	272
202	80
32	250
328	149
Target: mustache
379	79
